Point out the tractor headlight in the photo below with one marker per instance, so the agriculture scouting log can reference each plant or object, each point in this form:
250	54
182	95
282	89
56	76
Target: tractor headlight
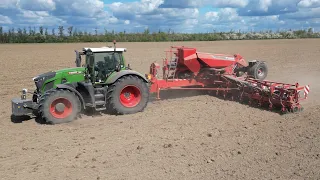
24	94
148	76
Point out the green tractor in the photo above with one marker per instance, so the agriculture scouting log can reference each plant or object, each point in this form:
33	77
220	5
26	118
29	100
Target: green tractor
103	83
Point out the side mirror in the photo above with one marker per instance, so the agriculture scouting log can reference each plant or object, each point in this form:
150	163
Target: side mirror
114	44
128	67
78	59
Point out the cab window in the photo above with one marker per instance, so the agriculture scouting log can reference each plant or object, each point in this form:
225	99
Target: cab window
107	61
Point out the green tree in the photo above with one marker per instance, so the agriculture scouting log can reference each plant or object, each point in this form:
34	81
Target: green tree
70	30
20	37
25	32
96	31
61	29
1	34
46	32
30	31
41	30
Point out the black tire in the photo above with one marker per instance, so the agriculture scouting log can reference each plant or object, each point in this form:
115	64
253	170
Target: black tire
48	99
258	71
116	106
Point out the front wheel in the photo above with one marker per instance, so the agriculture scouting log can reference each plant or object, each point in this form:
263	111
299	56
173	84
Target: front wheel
59	106
127	95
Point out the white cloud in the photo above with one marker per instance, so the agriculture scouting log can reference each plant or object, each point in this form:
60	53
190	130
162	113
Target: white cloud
227	18
212	15
189	25
303	14
6	4
309	3
265	4
126	22
147	13
181	4
39	18
129	10
88	8
224	15
177	15
5	20
268	7
78	8
201	3
37	5
227	3
34	14
106	20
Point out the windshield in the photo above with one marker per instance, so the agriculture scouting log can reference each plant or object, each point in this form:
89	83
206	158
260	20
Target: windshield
106	63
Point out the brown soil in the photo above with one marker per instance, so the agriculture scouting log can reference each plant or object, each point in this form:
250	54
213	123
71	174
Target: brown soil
192	137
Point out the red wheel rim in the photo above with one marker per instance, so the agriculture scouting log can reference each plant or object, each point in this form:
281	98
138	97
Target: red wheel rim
260	72
130	96
61	108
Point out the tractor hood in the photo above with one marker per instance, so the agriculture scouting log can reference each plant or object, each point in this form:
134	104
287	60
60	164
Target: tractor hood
67	75
70	75
51	74
76	70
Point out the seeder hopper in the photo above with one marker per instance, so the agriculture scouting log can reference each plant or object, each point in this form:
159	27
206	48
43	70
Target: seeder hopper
228	76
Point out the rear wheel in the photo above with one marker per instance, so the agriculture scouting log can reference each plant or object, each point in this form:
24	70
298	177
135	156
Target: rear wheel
59	106
258	71
127	95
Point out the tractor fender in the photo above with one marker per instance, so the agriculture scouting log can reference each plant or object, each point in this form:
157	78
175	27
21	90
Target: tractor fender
123	73
72	89
253	62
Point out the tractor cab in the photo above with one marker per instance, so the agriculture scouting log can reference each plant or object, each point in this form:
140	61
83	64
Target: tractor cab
100	63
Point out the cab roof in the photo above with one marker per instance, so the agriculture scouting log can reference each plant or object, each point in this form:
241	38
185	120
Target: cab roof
104	49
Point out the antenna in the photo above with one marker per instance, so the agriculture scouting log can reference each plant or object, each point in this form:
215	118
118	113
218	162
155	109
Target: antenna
114	43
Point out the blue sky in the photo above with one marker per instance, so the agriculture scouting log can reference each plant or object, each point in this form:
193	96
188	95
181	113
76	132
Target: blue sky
177	15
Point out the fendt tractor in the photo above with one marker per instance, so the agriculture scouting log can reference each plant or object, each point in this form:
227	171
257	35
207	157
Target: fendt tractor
104	82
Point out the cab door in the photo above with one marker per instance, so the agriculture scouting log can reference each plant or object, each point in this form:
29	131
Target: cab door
90	66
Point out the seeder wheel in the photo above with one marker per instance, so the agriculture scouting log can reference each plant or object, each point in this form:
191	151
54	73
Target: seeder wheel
258	71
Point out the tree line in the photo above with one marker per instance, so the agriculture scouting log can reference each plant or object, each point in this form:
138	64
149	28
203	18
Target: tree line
71	35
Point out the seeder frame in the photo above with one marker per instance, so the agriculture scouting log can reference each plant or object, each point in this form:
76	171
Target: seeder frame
265	93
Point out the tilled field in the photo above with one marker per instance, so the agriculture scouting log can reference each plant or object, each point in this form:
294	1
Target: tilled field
188	136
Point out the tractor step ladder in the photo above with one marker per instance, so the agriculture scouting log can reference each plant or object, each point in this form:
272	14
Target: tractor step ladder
172	68
99	98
